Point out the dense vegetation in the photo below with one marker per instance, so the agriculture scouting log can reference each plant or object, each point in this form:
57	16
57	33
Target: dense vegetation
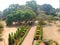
20	16
28	12
38	34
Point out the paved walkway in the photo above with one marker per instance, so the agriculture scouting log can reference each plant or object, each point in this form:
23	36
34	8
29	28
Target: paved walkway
30	36
1	43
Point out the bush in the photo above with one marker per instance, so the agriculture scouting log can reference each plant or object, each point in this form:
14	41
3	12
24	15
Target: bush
1	26
38	42
1	37
51	42
39	32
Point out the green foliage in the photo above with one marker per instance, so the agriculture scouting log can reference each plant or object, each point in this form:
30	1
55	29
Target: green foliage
48	9
9	19
38	42
19	16
29	15
10	9
32	5
18	37
51	42
24	7
1	28
39	33
11	39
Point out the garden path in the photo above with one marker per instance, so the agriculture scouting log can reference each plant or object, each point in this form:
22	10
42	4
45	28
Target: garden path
30	36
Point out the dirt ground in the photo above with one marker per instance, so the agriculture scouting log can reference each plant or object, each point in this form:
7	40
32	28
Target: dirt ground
52	32
6	32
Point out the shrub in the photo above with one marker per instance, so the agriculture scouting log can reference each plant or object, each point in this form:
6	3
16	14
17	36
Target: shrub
51	42
1	37
1	26
38	42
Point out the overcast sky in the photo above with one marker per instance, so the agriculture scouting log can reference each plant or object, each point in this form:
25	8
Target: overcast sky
5	3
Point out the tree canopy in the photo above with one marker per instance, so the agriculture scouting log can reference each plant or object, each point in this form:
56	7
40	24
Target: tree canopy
27	12
19	16
10	9
32	4
48	9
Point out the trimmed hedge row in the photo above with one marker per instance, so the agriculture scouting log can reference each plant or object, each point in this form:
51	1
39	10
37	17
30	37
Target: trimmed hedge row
21	39
39	33
18	37
49	42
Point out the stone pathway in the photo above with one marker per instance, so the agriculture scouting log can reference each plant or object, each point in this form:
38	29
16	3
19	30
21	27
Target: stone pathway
1	43
30	36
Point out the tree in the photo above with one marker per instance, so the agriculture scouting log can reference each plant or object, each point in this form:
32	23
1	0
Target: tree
10	9
48	9
9	19
20	15
32	4
29	15
53	12
24	7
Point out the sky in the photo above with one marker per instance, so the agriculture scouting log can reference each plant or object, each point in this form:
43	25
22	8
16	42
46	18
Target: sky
5	3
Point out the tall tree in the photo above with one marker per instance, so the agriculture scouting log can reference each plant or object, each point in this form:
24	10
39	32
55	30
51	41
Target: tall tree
32	4
48	9
29	15
10	9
